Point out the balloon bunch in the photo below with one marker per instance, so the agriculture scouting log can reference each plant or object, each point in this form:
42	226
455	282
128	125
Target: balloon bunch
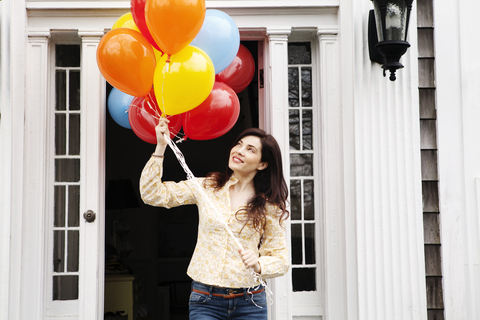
177	59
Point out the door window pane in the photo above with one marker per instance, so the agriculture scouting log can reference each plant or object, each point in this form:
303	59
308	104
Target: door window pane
60	196
294	128
74	135
67	55
60	134
60	90
299	53
67	170
65	287
73	206
308	200
296	199
297	252
304	279
74	90
59	251
301	165
293	87
307	136
310	243
307	87
73	247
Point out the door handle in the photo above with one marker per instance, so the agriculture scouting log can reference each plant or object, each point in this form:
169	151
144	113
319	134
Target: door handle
89	216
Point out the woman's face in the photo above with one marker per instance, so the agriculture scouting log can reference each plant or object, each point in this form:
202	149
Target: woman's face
246	155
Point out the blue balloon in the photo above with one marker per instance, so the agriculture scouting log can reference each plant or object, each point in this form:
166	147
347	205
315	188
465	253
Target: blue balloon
118	105
219	38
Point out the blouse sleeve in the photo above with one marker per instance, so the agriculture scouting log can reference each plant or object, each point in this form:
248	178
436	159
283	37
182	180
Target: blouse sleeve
273	251
168	194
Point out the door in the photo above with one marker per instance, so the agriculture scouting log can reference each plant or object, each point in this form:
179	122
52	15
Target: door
74	283
155	244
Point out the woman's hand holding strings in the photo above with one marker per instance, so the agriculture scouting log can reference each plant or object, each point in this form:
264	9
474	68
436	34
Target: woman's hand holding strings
250	260
160	130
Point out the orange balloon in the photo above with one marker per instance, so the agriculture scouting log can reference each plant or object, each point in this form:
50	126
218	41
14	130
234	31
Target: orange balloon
127	61
174	23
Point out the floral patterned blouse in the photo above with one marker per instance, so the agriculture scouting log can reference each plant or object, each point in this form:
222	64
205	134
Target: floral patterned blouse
216	260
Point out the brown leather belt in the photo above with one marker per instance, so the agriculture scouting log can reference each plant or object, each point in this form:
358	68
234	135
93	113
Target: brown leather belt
228	296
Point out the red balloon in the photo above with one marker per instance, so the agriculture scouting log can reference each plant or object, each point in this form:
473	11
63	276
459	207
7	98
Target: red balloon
138	13
213	117
143	115
239	73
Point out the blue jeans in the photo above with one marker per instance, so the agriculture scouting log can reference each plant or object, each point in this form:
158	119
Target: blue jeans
205	305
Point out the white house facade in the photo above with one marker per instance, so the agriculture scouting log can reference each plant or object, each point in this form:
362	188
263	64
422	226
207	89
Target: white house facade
351	142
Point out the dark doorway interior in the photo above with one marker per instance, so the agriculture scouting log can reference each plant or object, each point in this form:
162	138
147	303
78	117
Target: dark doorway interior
155	244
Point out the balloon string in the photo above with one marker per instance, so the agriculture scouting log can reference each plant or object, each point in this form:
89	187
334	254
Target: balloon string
181	159
163	85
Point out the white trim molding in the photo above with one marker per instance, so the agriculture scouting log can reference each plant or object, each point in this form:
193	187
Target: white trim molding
276	123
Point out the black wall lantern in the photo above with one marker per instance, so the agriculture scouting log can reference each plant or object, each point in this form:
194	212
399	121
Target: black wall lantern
387	33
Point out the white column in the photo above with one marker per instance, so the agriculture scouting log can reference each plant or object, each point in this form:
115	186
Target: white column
382	162
458	133
276	123
333	197
35	155
91	282
12	109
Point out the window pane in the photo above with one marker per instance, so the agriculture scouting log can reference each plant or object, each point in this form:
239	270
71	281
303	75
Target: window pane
295	200
73	206
304	279
307	130
59	209
293	88
308	200
59	251
299	53
73	245
294	127
65	288
60	90
301	165
74	135
297	252
306	87
74	90
60	134
67	170
310	243
67	55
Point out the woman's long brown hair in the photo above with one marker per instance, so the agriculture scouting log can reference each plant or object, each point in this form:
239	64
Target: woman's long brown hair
269	183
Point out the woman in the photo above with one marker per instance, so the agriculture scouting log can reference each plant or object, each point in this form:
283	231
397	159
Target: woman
251	197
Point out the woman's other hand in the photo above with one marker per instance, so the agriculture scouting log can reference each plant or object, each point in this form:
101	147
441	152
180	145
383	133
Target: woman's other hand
160	130
250	259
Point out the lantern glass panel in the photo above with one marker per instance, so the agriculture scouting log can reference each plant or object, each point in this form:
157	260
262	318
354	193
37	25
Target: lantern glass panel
391	19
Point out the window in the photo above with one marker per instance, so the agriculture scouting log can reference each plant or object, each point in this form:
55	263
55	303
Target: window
302	167
66	222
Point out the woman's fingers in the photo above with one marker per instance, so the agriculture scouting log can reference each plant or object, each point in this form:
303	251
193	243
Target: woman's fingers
250	259
161	129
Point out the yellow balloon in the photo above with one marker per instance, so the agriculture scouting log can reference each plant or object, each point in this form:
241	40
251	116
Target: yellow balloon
126	21
185	82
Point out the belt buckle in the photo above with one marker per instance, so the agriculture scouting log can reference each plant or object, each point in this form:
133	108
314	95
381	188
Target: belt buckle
230	295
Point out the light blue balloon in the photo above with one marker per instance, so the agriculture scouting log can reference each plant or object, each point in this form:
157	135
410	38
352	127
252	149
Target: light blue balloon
118	105
219	38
